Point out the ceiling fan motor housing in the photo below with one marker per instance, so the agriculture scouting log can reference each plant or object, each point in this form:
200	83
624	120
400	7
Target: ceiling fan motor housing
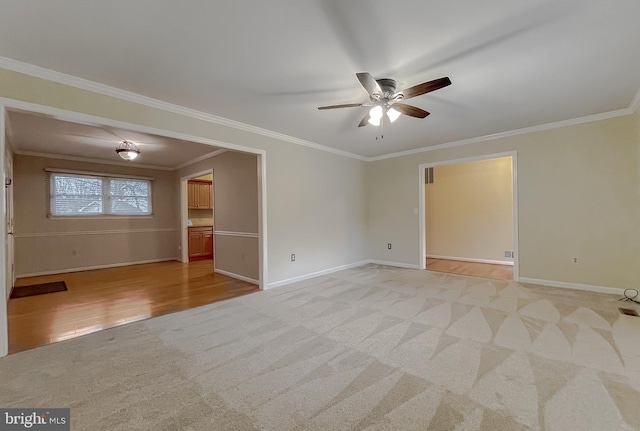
387	85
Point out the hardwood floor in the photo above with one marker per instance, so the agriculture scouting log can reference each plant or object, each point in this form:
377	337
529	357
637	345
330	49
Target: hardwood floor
101	299
500	272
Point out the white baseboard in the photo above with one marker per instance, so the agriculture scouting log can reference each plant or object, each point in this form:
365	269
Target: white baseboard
396	264
316	274
575	286
238	276
469	259
89	268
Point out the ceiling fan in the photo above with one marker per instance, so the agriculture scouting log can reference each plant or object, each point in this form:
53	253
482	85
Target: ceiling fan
386	101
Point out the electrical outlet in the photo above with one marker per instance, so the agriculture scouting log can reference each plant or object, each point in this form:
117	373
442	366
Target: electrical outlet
389	246
293	257
574	260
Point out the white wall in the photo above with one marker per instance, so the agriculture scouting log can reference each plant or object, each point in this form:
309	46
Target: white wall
578	196
469	211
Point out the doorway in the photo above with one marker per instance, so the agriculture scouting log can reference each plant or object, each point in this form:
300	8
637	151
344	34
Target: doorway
197	217
74	117
468	216
8	218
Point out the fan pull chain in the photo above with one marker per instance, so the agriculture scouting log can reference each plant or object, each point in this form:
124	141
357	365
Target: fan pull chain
381	129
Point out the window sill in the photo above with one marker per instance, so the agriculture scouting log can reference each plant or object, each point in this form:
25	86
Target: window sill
100	217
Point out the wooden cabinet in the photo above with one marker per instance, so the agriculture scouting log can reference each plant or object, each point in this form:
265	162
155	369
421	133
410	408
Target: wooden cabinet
199	194
200	242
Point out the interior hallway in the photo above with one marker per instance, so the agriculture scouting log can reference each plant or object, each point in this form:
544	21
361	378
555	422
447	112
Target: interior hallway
105	298
486	270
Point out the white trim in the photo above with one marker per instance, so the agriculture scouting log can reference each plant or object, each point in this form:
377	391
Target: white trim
523	131
62	78
242	234
89	160
516	241
74	81
184	210
421	210
78	117
469	259
316	274
4	321
635	103
97	174
263	267
238	276
201	158
90	268
91	119
92	232
396	264
575	286
101	217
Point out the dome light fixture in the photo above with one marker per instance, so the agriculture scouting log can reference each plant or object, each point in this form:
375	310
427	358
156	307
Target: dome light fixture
127	150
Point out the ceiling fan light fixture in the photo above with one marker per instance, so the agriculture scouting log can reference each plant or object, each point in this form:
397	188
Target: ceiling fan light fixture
393	114
127	150
375	115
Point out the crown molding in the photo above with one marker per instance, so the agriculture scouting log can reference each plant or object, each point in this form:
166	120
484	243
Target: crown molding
62	78
89	160
201	158
106	90
523	131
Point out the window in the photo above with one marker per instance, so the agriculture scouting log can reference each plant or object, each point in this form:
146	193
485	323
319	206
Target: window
87	195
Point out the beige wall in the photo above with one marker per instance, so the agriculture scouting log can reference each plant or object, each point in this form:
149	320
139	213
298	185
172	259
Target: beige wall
469	210
316	204
577	196
44	244
578	192
235	212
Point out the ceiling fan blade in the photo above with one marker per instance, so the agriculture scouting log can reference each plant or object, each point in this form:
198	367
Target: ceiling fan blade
409	110
425	87
348	105
364	121
369	83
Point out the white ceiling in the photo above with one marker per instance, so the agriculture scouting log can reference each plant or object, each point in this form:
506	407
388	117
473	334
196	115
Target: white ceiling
35	134
514	64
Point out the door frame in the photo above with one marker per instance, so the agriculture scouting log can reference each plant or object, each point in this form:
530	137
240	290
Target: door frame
422	203
4	324
8	218
77	117
184	214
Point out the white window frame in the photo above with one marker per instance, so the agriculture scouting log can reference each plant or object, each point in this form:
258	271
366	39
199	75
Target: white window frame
106	196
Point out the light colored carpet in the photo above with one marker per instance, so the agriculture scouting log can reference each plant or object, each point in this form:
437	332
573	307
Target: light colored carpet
372	348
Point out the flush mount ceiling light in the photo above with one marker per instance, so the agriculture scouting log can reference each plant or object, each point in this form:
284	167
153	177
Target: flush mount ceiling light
127	150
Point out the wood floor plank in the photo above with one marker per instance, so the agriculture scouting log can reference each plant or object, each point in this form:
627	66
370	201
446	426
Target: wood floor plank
101	299
500	272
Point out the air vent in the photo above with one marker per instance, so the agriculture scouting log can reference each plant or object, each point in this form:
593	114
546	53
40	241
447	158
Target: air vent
428	176
509	254
628	312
